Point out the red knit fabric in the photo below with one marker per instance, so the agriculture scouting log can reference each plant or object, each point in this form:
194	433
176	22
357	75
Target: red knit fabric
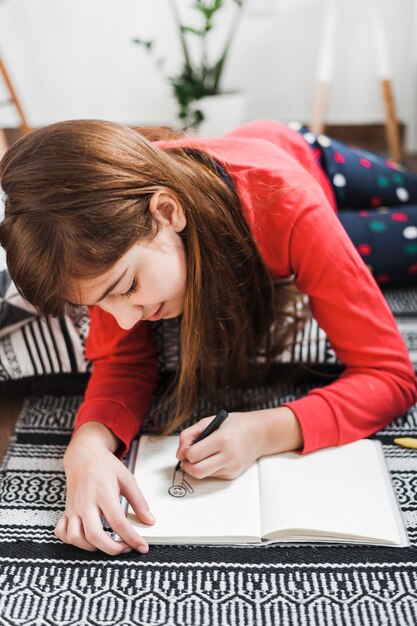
290	208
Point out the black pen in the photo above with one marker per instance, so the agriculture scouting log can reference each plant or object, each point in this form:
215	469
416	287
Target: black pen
214	425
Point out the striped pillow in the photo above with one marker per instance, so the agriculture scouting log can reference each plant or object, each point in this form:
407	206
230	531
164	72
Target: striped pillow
44	347
33	348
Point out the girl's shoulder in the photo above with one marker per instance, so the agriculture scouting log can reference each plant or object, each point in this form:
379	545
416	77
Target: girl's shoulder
239	152
264	151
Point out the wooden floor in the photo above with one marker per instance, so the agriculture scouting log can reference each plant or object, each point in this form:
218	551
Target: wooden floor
10	407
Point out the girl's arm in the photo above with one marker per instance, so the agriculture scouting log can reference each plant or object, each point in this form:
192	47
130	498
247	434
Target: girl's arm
304	237
124	376
298	233
118	395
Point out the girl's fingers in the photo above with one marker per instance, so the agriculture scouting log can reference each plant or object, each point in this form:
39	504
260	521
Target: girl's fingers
208	467
134	496
61	528
123	528
97	536
190	434
202	449
75	534
73	531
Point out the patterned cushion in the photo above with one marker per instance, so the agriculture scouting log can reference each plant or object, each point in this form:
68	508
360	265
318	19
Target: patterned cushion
32	348
44	347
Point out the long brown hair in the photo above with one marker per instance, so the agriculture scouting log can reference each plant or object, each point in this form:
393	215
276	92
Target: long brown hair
77	198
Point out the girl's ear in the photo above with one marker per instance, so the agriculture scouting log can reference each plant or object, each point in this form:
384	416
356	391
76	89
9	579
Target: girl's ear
167	210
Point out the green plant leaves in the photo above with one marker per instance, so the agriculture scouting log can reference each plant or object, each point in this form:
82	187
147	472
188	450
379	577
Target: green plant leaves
197	78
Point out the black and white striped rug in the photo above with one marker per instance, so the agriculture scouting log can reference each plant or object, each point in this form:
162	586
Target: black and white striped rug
43	582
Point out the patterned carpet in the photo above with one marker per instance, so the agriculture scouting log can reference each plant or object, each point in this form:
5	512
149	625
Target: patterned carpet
43	582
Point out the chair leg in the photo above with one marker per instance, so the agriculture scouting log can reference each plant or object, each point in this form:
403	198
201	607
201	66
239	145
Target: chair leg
3	142
325	73
391	125
384	73
24	126
317	124
325	66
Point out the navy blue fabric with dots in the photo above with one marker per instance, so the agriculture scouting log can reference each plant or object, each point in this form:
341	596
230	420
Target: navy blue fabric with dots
377	205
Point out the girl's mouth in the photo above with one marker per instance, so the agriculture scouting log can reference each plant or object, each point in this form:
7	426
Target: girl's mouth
157	315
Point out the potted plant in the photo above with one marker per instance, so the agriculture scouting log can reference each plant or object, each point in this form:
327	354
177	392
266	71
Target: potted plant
199	81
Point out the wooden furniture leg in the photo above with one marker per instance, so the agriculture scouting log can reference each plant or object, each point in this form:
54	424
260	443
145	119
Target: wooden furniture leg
24	126
384	73
3	142
325	67
391	124
325	72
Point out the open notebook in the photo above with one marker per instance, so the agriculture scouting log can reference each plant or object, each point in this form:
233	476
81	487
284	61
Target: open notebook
341	494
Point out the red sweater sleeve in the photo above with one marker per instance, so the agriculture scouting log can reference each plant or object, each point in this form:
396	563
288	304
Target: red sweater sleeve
303	236
123	379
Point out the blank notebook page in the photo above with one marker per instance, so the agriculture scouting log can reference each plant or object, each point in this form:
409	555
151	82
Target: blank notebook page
340	490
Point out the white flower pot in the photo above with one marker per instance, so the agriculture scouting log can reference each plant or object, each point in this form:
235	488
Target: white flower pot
222	113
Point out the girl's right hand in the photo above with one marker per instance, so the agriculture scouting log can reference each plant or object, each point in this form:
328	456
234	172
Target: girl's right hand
95	480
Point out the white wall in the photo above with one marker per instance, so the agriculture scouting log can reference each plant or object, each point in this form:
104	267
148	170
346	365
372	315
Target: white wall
74	58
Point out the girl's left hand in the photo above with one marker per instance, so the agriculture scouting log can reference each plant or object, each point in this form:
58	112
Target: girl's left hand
239	442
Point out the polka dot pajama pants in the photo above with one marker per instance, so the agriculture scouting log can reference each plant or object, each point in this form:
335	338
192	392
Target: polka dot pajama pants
377	205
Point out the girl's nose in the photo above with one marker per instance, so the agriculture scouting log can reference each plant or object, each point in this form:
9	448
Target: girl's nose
127	315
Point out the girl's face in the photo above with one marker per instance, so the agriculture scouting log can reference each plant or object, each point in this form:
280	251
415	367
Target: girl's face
147	283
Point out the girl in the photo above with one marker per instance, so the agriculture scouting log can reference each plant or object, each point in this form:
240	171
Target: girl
138	231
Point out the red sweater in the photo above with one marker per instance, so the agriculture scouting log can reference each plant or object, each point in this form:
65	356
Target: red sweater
290	208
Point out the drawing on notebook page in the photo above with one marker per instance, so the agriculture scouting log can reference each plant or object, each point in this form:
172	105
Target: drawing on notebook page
179	487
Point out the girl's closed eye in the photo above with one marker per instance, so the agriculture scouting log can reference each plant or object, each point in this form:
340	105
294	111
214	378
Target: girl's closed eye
131	289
